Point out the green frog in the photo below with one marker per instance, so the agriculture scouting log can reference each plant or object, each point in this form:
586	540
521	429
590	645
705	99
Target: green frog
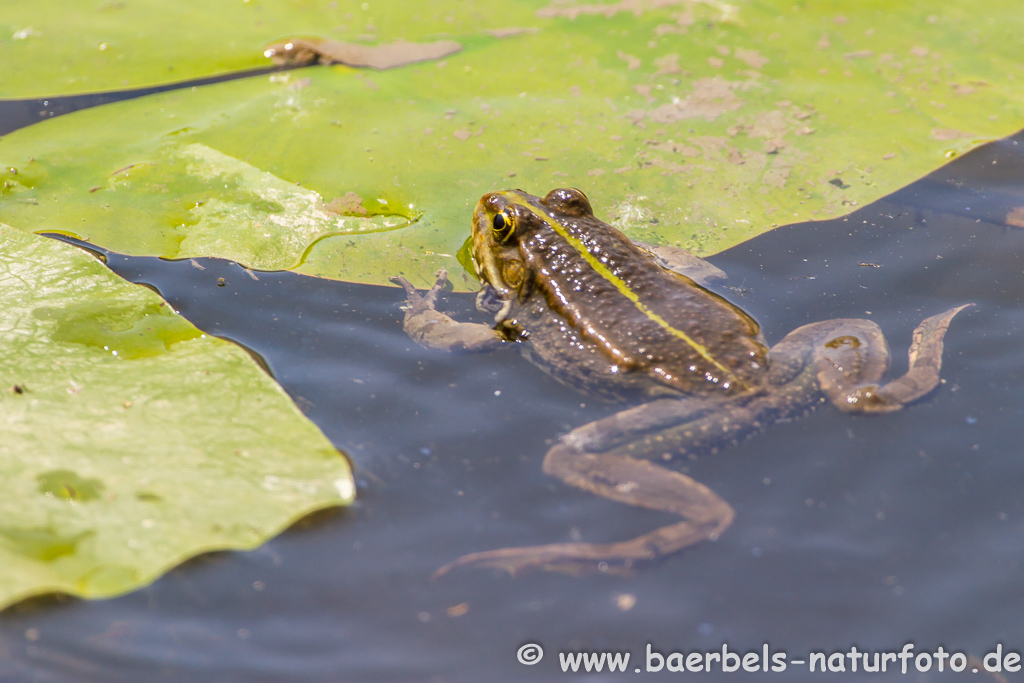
632	322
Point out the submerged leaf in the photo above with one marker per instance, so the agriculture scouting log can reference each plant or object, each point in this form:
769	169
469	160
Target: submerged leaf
132	441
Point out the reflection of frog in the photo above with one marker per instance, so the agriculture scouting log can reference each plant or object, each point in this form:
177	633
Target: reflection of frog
614	319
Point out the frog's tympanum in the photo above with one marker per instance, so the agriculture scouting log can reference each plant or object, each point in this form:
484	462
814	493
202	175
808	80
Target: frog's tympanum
623	320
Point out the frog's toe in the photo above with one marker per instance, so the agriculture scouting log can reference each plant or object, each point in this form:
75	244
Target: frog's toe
428	300
405	284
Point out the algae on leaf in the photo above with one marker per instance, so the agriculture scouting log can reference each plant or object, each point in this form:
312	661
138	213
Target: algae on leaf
131	440
686	122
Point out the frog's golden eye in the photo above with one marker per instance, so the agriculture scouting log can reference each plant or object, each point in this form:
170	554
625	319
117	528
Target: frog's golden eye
502	225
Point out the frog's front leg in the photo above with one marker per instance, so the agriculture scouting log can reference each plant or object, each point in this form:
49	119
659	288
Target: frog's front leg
599	458
432	329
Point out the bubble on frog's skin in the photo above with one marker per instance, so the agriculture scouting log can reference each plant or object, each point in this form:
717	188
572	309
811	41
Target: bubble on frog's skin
971	420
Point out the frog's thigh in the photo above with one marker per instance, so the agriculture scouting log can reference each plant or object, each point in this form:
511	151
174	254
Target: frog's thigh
624	479
846	353
684	262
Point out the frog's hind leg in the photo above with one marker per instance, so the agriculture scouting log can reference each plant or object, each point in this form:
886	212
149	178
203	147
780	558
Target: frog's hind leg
851	356
620	477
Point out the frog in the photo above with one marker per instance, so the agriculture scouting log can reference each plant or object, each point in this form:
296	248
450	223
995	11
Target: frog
632	322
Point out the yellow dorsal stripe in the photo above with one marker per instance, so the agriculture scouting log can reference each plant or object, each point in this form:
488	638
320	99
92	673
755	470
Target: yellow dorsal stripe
623	288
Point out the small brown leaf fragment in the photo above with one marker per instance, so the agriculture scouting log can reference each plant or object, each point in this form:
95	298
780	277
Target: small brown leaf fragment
859	54
298	51
461	134
1016	217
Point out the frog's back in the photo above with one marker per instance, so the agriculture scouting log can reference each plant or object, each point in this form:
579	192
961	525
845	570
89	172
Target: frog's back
599	305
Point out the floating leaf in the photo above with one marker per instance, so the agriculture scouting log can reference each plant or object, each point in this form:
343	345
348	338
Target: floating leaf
132	441
695	123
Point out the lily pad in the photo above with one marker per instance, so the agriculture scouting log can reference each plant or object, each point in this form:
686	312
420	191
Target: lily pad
693	123
131	440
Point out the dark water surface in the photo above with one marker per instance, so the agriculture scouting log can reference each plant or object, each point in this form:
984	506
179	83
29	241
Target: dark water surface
866	531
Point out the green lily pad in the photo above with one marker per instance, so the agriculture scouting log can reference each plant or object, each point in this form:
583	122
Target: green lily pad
693	123
131	440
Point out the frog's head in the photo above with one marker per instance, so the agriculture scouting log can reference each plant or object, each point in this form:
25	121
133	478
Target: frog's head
502	221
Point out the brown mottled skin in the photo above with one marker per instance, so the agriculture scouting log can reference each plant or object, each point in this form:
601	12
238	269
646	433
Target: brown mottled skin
612	318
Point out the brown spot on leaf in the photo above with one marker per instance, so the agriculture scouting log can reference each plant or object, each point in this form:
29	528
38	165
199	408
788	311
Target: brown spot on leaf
667	65
644	90
859	54
751	57
711	97
631	61
637	7
943	134
775	177
508	32
349	205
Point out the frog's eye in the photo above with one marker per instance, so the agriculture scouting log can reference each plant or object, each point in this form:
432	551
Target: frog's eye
502	225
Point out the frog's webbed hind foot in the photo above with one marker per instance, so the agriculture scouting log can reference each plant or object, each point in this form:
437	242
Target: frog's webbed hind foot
921	377
626	480
432	329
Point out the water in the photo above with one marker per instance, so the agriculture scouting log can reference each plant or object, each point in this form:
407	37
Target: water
867	531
